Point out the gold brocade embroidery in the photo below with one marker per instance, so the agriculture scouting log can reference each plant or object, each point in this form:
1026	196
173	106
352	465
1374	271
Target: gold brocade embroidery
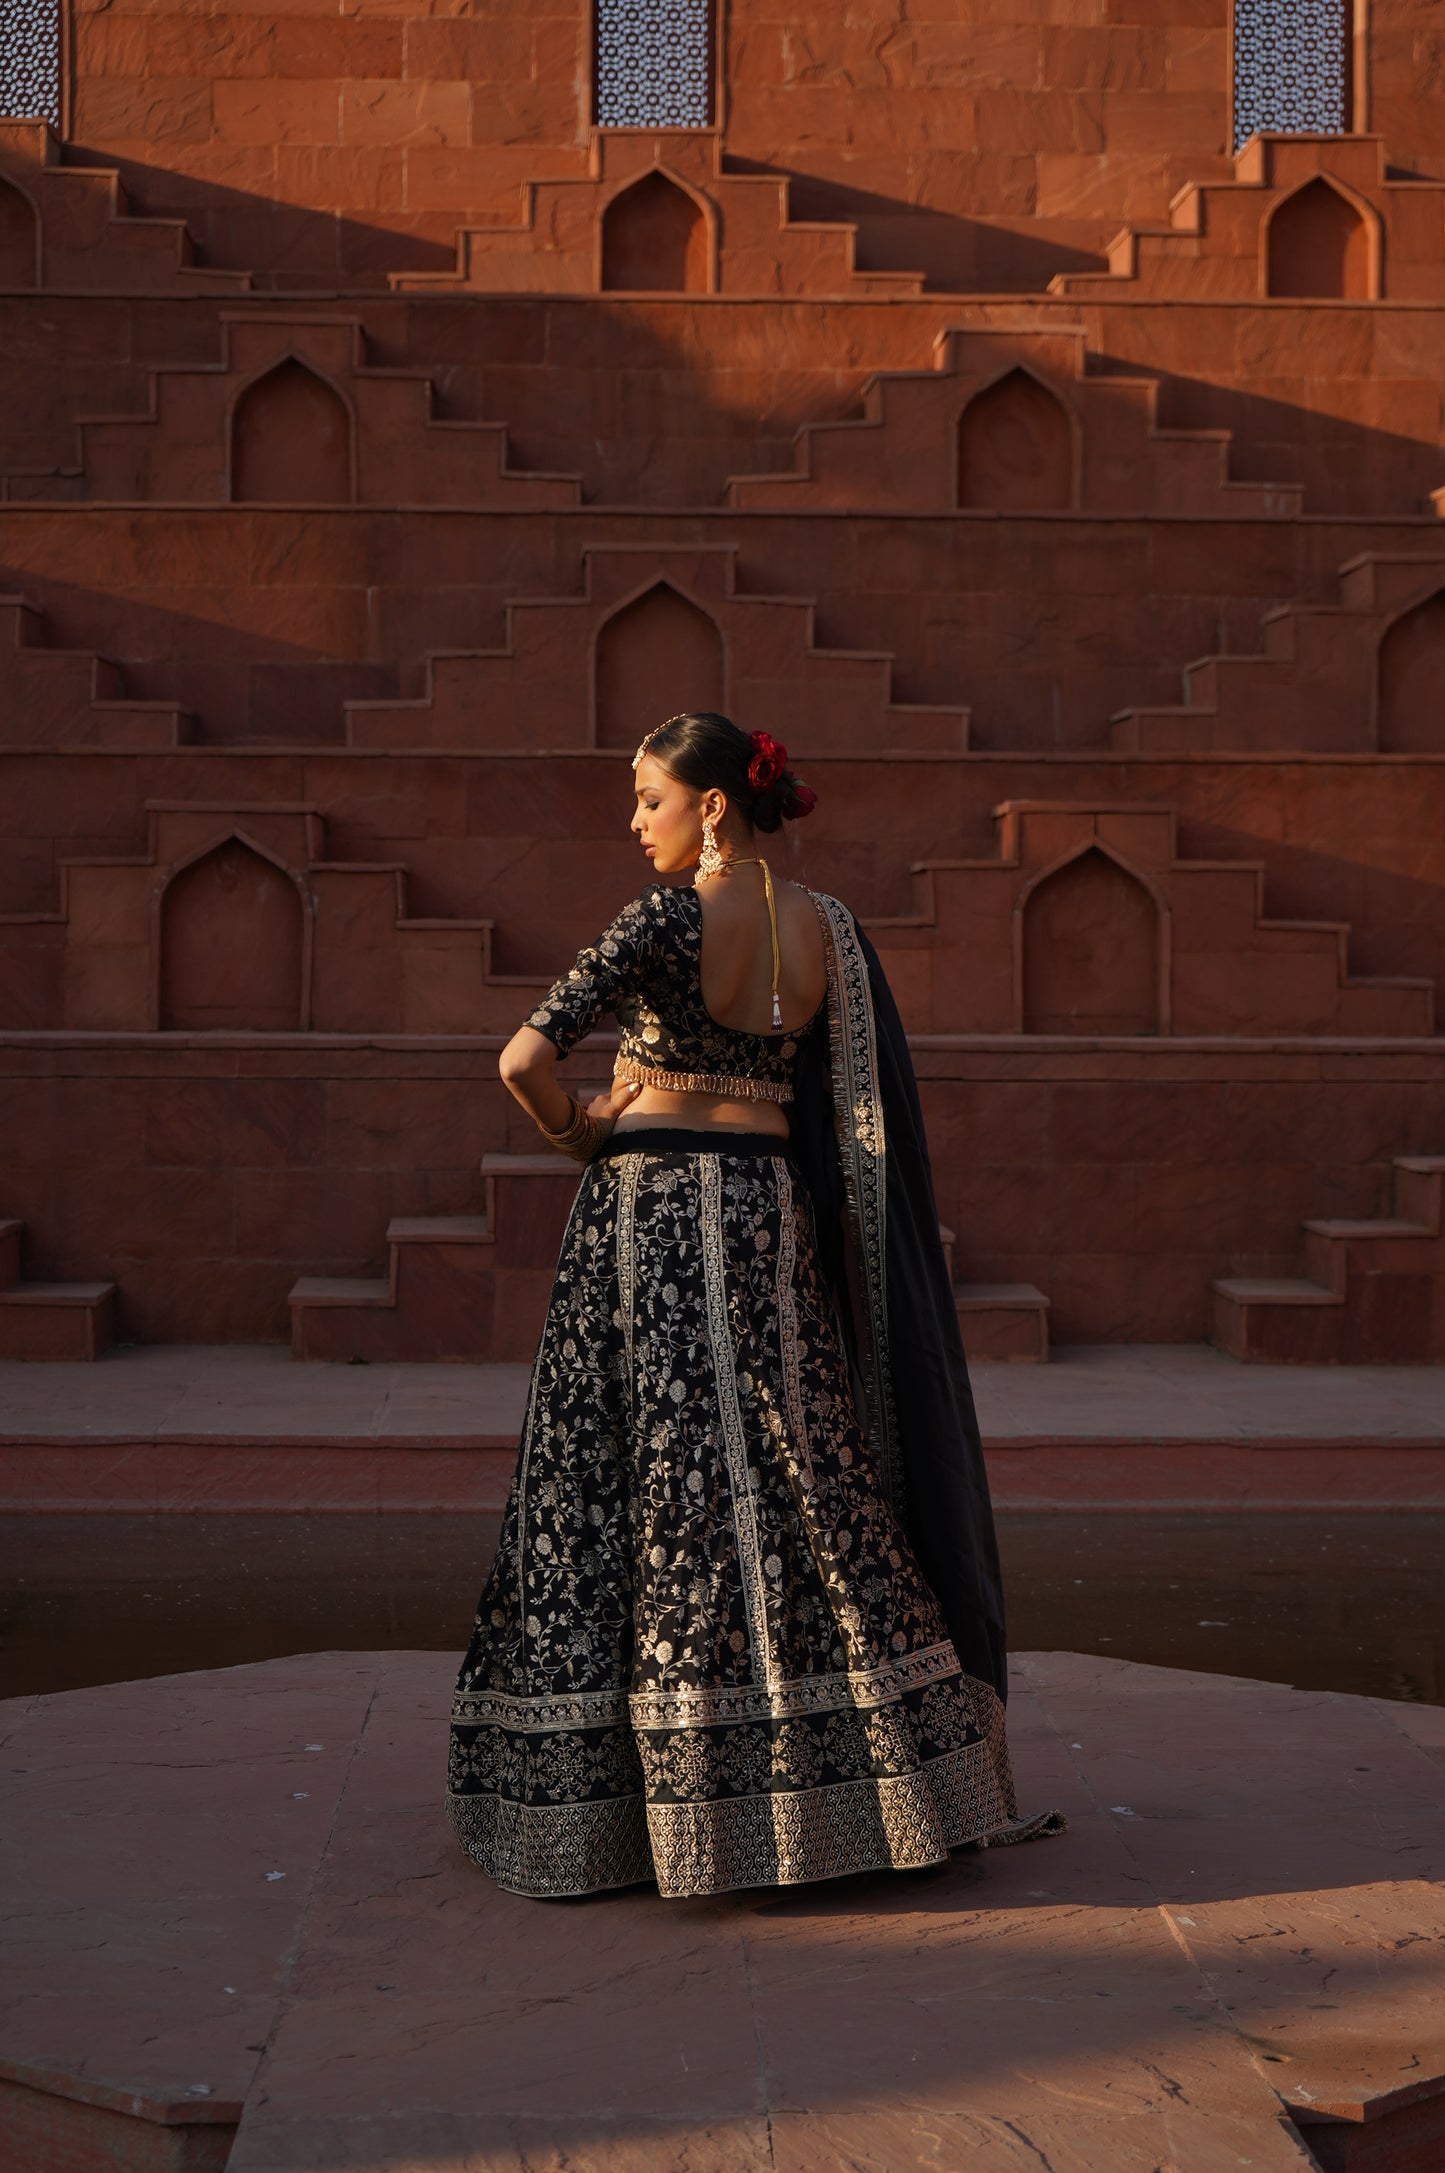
779	1837
701	1082
558	1848
735	1443
789	1838
627	1255
863	1151
788	1335
524	1457
560	1714
859	1689
782	1837
520	1486
724	1703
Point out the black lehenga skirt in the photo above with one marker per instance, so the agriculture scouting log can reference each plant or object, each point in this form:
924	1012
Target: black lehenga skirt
705	1655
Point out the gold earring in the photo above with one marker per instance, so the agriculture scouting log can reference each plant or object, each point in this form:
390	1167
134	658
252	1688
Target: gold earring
709	861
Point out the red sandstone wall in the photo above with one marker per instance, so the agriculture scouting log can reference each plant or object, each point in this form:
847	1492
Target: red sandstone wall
185	664
199	1176
1407	83
1358	420
981	150
978	141
327	144
542	845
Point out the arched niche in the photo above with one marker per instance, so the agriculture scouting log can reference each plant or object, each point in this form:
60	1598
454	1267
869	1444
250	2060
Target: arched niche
1090	951
232	945
657	655
1410	711
291	440
1318	246
19	237
1016	449
655	240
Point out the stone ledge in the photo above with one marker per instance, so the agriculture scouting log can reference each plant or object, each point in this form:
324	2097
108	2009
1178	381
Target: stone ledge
183	1429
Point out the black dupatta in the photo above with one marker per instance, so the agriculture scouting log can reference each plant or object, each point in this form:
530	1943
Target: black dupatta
858	1132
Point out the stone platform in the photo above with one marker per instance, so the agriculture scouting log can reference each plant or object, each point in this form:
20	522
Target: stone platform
241	1936
187	1428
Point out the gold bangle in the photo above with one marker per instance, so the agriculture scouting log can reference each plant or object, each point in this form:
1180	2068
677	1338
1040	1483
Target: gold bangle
579	1138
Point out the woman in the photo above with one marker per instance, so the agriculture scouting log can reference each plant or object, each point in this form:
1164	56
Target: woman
707	1654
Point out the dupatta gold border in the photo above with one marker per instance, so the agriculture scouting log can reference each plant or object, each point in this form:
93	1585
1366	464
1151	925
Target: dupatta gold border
863	1150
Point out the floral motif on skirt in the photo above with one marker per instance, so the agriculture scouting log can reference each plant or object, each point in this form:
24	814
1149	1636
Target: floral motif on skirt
705	1654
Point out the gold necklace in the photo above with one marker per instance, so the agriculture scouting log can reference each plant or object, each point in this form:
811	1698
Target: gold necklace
757	861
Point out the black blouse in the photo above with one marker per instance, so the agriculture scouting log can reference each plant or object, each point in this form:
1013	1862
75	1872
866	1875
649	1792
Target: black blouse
647	970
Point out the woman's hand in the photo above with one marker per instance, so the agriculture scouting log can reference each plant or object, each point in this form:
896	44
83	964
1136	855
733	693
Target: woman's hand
529	1070
607	1108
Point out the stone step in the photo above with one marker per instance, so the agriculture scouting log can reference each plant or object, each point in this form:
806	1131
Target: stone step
1337	1253
915	446
474	1288
57	1322
439	1230
733	233
207	423
1225	969
1274	1290
348	1290
1420	1190
1280	1320
1256	234
89	239
1373	1290
560	679
467	1289
50	1321
1003	1322
53	697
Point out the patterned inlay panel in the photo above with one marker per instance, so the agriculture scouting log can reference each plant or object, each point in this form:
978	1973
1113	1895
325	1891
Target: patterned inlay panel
654	63
1291	67
30	60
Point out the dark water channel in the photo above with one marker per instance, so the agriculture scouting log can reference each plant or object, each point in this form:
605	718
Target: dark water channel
1335	1603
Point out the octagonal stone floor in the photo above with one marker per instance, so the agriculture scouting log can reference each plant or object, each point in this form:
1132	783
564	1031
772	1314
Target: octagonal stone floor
239	1934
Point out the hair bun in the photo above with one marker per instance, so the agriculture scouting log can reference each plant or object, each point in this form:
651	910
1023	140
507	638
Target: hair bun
774	784
769	764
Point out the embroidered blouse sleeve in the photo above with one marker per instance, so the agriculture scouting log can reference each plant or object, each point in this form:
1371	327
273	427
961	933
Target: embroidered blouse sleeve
609	972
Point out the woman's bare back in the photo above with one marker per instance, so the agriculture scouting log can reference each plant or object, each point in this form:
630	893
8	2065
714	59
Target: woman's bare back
737	952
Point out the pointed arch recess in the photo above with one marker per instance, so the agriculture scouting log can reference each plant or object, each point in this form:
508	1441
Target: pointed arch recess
657	236
1410	680
656	654
1018	448
1321	243
291	439
232	943
1091	949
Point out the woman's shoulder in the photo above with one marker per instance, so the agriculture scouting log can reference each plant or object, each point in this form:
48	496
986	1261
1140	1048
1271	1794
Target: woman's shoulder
659	911
666	905
829	907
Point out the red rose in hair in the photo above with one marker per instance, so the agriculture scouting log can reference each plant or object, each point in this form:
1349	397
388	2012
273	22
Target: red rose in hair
801	801
770	761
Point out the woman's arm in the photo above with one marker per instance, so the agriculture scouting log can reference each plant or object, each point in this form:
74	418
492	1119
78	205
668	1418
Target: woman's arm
528	1066
601	979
